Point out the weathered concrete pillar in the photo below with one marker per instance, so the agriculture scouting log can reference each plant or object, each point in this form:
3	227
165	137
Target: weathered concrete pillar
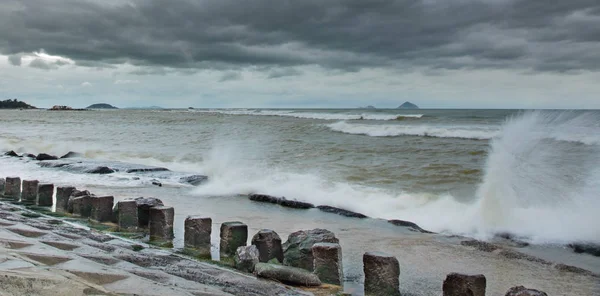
233	235
382	272
268	244
2	183
144	204
62	197
29	192
197	232
12	188
457	284
246	258
82	205
161	223
127	215
328	263
102	208
45	193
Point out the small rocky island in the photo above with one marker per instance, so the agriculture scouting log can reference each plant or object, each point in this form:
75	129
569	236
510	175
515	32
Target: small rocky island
15	104
101	106
408	105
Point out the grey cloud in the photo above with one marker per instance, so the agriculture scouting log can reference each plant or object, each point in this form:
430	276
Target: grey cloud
15	59
338	34
41	64
278	73
230	76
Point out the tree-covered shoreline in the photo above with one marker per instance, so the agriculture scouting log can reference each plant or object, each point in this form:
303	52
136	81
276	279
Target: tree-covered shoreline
15	104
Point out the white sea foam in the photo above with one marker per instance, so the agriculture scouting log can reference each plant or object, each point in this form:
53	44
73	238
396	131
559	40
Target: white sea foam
392	130
315	115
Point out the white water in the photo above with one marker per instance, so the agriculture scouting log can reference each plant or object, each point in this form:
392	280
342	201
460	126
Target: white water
393	130
315	115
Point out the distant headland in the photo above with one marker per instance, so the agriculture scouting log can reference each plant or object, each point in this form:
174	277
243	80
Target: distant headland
408	105
101	106
15	104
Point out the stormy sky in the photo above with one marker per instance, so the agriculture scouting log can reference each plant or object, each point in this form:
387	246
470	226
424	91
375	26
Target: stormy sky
302	53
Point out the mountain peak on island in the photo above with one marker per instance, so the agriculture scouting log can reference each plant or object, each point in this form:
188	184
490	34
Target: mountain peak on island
101	106
408	105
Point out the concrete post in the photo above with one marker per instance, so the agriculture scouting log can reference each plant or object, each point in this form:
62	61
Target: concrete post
2	184
102	208
161	223
382	272
45	193
457	284
62	197
127	215
197	231
328	263
268	243
29	192
12	188
233	235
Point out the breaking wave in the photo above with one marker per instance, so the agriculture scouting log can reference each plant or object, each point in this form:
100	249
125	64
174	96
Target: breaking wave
393	130
317	115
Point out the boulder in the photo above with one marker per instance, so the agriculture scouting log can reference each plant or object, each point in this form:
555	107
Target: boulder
71	154
522	291
44	156
160	223
11	154
282	201
246	257
30	191
101	170
382	272
12	187
233	235
126	213
143	205
457	284
589	248
286	274
328	263
263	198
194	179
268	244
29	155
62	197
102	208
197	231
410	225
297	250
146	170
45	193
342	212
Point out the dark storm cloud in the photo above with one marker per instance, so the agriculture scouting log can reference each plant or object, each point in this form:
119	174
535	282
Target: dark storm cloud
338	34
278	73
230	76
15	59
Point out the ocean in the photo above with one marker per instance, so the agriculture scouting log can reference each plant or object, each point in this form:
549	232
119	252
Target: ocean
475	173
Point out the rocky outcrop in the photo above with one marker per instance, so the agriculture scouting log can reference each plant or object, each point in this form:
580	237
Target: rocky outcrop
457	284
286	274
146	170
246	257
11	154
297	250
479	245
268	244
522	291
282	201
101	170
342	212
71	154
588	248
410	225
194	179
44	156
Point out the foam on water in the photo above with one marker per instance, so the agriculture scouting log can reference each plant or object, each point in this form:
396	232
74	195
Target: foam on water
315	115
393	130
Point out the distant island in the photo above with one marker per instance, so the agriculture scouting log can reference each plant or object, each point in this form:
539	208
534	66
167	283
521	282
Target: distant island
15	104
408	105
101	106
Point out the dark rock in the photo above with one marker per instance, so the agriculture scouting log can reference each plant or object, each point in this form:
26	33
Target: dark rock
12	187
588	248
30	191
510	240
157	183
11	154
143	205
45	193
297	250
294	204
382	272
246	258
480	245
145	170
511	254
522	291
573	269
233	235
330	209
263	198
102	208
410	225
126	213
62	197
457	284
197	231
101	170
161	223
286	274
193	179
328	263
44	156
268	244
29	155
72	154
